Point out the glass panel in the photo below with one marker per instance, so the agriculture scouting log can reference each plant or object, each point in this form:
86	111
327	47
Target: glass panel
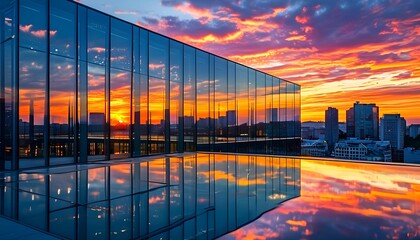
7	83
62	109
63	28
8	26
157	115
96	111
176	194
212	110
203	182
176	76
33	24
121	213
158	56
82	32
242	108
121	45
135	118
260	113
290	101
283	108
120	112
144	51
144	116
297	111
120	182
32	84
231	114
98	31
269	112
220	99
189	98
274	117
252	110
190	188
221	198
203	87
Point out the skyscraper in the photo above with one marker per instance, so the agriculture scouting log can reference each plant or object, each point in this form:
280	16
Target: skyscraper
350	122
365	119
331	126
393	130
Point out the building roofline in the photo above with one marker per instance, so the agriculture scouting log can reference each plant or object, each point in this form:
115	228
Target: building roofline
170	38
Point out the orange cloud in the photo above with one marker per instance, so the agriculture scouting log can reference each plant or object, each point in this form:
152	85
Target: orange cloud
301	20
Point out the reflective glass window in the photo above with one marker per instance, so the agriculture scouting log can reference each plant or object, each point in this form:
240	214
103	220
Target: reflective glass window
63	28
7	102
120	112
156	115
158	56
242	107
33	24
121	38
203	87
62	108
98	36
269	112
32	95
189	98
231	114
96	110
176	93
260	105
283	108
251	105
144	51
7	12
220	99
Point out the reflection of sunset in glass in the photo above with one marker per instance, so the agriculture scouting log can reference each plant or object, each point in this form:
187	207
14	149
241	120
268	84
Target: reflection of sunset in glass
347	201
340	52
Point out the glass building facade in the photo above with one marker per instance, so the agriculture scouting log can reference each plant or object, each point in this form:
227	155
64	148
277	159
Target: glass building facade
196	196
77	85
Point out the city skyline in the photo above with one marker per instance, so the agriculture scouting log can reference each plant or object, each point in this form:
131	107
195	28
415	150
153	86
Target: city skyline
340	52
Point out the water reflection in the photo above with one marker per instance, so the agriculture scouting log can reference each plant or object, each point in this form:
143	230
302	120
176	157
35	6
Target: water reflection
174	197
345	201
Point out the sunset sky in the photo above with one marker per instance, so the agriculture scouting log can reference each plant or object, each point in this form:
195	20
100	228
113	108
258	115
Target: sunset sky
339	51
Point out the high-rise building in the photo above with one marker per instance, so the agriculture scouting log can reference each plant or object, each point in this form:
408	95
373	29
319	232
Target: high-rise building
350	123
365	119
414	130
393	130
134	92
331	126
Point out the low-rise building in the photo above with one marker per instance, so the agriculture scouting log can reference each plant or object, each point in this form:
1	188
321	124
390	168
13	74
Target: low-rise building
314	148
369	150
411	155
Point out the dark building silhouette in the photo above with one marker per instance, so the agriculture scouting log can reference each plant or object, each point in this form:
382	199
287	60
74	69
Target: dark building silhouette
350	122
365	119
331	127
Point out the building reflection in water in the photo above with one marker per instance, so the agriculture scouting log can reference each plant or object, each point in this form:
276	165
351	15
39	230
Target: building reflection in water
174	197
344	200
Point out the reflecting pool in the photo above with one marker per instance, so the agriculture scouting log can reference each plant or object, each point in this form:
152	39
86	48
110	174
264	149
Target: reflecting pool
188	196
344	200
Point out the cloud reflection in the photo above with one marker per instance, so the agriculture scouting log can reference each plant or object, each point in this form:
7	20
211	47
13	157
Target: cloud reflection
341	200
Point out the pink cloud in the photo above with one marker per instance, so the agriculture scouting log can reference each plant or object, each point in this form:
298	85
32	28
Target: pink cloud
25	28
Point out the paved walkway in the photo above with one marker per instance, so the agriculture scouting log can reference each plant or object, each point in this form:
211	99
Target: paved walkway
14	230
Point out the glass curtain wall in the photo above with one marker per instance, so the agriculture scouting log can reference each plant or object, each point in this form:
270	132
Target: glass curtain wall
78	85
8	81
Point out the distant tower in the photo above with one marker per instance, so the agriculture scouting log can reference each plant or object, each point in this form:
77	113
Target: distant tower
393	130
350	123
331	126
365	121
